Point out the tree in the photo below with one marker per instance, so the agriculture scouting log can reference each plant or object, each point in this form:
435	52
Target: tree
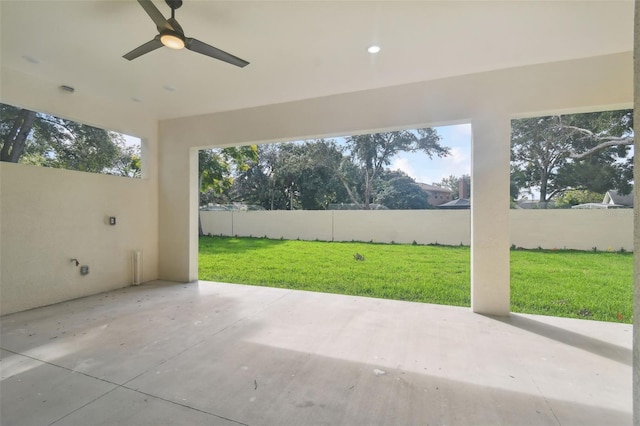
601	157
538	149
397	190
129	162
518	182
216	167
292	175
612	129
310	168
254	185
374	151
34	138
573	197
16	125
582	151
83	148
453	183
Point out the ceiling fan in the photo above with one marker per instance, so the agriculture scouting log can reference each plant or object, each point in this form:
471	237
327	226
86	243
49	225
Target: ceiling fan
172	36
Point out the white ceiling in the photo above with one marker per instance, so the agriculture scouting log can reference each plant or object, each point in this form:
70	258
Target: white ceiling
296	49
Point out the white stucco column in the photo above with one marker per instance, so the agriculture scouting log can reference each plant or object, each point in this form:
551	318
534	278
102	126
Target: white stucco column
178	210
490	155
636	223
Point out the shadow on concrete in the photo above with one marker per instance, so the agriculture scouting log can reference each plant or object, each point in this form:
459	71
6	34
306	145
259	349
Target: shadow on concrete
590	344
261	384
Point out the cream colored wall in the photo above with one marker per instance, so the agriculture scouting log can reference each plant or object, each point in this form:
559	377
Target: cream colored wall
290	225
422	226
48	216
217	222
403	226
572	229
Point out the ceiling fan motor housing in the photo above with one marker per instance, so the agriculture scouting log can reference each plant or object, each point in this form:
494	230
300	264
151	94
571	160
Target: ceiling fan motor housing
174	4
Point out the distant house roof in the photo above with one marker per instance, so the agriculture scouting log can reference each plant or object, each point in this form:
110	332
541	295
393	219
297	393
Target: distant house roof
459	204
612	197
435	188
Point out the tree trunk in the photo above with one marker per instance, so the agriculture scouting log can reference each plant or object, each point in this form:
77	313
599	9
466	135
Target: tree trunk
543	192
367	190
16	139
352	197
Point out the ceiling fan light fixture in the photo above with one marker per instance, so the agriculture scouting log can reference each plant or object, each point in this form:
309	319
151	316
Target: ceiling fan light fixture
172	40
373	49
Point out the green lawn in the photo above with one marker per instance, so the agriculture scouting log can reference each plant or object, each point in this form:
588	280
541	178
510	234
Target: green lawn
563	283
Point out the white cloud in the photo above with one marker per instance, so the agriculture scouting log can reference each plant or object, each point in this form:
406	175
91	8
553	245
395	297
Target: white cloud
406	165
458	156
402	163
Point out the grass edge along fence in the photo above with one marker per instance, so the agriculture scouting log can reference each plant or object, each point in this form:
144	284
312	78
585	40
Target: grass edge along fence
559	228
593	285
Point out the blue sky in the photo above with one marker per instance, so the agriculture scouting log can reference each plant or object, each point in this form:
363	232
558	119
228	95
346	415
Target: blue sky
425	170
419	166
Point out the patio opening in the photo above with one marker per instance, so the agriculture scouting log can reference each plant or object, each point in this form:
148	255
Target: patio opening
383	215
572	215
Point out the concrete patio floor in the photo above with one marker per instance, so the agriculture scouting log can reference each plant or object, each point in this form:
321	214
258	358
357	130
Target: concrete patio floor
207	353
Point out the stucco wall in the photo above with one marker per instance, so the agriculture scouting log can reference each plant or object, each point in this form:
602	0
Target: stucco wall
572	229
50	216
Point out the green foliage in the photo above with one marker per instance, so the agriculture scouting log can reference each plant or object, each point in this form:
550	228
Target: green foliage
128	162
292	175
561	282
581	151
574	197
396	190
217	166
538	148
40	139
310	175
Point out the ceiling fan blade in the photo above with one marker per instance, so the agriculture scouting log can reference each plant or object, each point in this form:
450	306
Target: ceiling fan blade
145	48
205	49
155	15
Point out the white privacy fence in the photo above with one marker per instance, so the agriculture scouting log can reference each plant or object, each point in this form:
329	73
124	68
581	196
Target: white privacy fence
571	229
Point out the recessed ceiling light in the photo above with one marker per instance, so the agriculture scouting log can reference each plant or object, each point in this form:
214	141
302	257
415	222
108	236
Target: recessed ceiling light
373	49
169	88
31	59
67	89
